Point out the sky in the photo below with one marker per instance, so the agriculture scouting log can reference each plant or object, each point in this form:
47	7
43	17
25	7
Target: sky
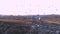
29	7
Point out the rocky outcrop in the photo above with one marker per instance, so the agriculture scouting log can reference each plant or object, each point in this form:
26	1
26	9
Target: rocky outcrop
32	28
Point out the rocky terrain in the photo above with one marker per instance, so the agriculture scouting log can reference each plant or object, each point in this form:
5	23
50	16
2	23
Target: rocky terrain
32	28
50	24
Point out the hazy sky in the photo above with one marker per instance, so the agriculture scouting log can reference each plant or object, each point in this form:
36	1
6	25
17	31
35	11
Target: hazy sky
29	7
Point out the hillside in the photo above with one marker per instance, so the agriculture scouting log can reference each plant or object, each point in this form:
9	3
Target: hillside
51	18
43	18
36	24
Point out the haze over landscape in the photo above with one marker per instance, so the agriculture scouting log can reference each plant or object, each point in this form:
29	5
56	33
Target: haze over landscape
29	7
29	17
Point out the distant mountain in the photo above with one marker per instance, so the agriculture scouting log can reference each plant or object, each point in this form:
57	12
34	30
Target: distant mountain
50	17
